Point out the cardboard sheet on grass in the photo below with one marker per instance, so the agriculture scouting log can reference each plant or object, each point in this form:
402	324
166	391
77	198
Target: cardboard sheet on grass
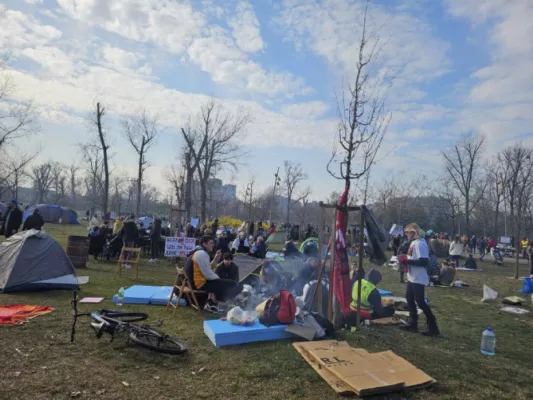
356	371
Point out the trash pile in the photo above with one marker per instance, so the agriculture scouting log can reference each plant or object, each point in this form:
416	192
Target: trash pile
352	371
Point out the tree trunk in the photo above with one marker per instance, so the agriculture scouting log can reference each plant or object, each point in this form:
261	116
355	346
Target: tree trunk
467	216
106	161
288	209
516	245
203	199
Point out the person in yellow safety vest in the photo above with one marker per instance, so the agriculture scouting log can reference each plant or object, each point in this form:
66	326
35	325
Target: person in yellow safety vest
370	298
524	244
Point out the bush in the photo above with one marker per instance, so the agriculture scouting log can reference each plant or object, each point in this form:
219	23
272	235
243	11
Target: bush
226	221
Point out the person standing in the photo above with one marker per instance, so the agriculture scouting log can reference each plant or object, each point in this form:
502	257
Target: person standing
34	221
456	250
155	237
13	219
417	260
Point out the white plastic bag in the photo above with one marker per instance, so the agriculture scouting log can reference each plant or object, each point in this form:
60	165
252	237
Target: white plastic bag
237	316
489	294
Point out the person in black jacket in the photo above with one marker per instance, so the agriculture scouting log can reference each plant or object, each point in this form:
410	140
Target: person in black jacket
155	237
34	221
13	219
227	269
129	234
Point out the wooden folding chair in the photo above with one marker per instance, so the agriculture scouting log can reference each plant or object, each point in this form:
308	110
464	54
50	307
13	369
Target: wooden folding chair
135	257
183	286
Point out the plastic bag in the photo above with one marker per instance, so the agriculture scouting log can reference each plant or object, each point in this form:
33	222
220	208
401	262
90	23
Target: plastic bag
489	294
237	316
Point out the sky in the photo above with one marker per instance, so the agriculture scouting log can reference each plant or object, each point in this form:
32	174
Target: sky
459	66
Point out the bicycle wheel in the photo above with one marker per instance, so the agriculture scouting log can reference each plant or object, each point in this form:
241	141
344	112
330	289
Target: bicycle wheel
154	341
123	316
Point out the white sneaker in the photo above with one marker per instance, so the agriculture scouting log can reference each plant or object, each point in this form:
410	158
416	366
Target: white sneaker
213	308
151	260
127	266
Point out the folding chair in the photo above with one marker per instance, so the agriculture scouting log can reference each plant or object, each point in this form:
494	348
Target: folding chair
183	286
133	251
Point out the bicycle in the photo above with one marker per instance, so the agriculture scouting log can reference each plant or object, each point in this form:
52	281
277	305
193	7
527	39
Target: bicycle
116	321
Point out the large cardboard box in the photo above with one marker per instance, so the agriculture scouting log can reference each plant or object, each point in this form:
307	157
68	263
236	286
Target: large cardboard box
348	370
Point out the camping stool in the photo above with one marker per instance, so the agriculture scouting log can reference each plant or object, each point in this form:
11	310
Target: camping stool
136	251
184	287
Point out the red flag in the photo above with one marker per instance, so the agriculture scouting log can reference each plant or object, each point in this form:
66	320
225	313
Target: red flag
342	285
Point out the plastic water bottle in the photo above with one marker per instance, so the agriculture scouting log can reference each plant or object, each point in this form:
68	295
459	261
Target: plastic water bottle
488	342
120	297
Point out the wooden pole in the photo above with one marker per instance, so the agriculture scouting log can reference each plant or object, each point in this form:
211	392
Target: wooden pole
360	266
321	264
332	267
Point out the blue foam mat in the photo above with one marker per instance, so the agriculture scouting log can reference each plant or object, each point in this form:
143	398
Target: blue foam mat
222	333
141	294
384	292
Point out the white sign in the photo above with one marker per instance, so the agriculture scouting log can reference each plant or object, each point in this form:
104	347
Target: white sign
505	240
194	222
179	246
396	230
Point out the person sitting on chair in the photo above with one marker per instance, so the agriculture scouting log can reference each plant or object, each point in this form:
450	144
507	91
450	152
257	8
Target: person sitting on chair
259	249
371	306
199	270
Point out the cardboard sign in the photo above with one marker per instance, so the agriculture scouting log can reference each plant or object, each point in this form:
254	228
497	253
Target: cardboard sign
505	240
396	230
179	246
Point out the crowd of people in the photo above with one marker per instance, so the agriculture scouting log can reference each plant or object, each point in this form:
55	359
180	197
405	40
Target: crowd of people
11	222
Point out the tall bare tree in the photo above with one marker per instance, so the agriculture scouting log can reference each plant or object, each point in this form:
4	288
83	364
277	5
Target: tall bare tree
211	142
464	165
141	131
59	183
250	195
16	119
43	179
96	121
73	183
294	176
94	175
517	162
14	170
178	179
362	117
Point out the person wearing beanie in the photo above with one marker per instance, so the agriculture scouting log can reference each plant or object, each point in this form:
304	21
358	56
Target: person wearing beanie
371	306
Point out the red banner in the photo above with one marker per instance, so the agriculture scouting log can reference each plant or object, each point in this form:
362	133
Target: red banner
342	286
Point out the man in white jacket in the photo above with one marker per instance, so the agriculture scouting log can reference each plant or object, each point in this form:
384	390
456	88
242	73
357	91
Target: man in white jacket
199	271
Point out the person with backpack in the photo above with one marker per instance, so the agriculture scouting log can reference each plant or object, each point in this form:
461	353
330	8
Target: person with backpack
417	260
199	270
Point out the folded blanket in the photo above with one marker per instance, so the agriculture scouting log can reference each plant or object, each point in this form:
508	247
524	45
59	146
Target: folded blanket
18	314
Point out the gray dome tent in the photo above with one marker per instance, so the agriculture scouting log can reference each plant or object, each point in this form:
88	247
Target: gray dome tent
31	261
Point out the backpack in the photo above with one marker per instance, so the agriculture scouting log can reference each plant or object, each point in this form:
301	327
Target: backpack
279	309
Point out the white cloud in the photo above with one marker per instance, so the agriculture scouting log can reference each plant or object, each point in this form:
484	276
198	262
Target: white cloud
34	1
499	102
19	30
178	28
308	110
245	28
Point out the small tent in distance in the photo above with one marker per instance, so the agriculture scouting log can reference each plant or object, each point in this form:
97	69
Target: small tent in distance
31	261
53	214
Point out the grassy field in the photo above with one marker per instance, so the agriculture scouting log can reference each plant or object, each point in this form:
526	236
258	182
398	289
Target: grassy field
39	362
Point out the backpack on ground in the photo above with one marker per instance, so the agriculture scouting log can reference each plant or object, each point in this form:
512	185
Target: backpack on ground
279	309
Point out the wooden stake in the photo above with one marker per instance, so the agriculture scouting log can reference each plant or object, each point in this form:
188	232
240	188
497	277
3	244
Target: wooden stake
332	267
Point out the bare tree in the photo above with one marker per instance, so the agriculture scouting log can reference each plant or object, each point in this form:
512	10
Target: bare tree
59	182
294	176
73	183
14	172
42	178
210	142
517	162
16	119
118	184
464	166
178	179
94	175
250	195
102	145
363	120
141	131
